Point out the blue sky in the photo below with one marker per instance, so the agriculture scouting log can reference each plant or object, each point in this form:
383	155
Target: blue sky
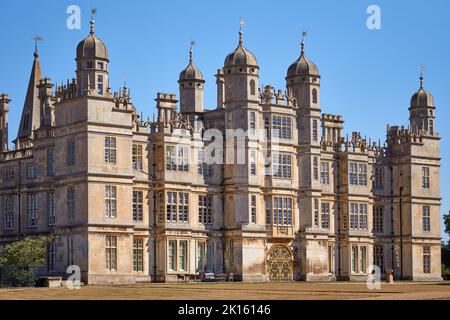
367	75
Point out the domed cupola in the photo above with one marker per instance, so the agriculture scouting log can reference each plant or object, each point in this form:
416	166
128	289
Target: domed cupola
191	72
303	66
92	46
422	98
240	56
191	83
422	110
92	65
240	75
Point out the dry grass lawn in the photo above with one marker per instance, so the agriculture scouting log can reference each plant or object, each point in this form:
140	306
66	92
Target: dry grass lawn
239	291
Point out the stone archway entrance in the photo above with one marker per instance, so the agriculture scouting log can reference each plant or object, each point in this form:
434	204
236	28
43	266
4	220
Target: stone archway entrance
279	264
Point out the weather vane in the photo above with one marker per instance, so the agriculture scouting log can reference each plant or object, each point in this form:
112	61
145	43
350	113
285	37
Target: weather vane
241	24
304	35
190	50
37	39
422	70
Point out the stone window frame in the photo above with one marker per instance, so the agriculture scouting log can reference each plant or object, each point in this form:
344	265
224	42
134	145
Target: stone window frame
378	218
111	252
282	211
426	177
176	258
357	263
177	158
253	162
253	208
325	214
32	210
51	208
71	152
281	127
281	165
137	152
203	168
426	218
325	172
177	206
316	168
378	257
51	164
111	201
8	211
426	257
138	254
110	150
138	205
71	202
205	209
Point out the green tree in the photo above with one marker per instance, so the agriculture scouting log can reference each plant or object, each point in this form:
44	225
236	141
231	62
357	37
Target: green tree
445	249
19	260
447	224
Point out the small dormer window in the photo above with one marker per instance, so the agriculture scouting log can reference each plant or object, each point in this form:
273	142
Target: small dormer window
89	65
100	65
240	69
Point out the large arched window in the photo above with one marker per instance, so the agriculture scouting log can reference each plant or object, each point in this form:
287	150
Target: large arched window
252	87
314	95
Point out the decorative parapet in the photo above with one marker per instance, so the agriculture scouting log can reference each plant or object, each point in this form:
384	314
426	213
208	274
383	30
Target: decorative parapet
355	144
401	135
67	91
267	95
16	154
122	99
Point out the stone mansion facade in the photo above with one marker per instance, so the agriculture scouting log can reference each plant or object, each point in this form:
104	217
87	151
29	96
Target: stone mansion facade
133	200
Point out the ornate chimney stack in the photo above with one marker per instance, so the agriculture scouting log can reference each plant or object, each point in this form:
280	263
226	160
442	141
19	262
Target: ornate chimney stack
4	108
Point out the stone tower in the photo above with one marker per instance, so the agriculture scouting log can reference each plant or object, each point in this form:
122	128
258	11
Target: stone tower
242	173
421	110
191	84
92	65
414	156
303	82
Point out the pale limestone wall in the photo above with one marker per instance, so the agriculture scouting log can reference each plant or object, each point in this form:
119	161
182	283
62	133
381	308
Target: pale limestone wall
98	274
